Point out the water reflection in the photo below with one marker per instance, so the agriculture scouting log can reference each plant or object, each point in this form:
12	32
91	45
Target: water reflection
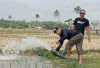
26	62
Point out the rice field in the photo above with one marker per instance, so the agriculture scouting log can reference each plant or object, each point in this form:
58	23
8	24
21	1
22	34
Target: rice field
29	60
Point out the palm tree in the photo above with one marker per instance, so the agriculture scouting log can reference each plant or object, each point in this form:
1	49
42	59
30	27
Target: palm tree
37	16
77	9
10	17
56	14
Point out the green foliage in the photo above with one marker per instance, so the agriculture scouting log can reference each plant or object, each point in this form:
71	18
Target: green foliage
69	22
49	55
37	16
0	50
56	14
9	17
23	24
77	9
46	53
51	25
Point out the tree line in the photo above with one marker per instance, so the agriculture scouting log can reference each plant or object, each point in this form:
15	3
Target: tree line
33	24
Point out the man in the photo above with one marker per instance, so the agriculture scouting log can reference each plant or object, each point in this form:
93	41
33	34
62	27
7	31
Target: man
81	23
74	37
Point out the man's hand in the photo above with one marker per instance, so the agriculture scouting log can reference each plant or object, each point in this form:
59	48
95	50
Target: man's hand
57	42
54	50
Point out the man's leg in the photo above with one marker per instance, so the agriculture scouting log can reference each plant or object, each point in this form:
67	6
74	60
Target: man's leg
78	39
80	59
68	53
79	49
69	46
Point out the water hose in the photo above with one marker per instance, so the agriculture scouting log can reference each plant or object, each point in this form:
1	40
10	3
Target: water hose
54	53
61	56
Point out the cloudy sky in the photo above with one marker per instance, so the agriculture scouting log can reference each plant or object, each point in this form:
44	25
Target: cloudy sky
26	9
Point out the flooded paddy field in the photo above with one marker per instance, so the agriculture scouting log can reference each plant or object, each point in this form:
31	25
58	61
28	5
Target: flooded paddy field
26	62
29	60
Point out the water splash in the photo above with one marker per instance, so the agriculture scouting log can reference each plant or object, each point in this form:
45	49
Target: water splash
33	42
24	44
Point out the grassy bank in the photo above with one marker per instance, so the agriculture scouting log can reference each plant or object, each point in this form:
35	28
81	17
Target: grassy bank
90	60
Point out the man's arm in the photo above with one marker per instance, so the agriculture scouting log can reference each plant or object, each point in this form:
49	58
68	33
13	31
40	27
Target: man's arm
61	42
73	27
88	33
59	46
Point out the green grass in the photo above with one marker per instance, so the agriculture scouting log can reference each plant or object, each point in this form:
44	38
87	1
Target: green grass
0	50
91	59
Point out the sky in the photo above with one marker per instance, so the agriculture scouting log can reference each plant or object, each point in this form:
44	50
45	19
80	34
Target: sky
26	9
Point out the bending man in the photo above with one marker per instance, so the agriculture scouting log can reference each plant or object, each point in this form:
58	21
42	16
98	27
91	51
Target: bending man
74	37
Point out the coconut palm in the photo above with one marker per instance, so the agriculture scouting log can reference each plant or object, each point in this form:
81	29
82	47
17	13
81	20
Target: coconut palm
77	9
37	16
10	17
56	14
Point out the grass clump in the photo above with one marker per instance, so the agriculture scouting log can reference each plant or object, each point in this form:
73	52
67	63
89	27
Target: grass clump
49	55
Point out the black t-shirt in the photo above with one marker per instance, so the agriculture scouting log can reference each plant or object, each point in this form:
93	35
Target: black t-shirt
80	24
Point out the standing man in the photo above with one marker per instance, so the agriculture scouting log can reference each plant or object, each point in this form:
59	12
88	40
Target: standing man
81	23
74	37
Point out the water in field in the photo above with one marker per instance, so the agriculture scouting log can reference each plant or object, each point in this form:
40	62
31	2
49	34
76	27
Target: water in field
26	62
11	58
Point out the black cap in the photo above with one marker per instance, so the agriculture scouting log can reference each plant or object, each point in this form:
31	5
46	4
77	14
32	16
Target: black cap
55	29
82	11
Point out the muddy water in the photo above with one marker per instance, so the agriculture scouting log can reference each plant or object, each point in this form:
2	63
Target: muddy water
26	62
